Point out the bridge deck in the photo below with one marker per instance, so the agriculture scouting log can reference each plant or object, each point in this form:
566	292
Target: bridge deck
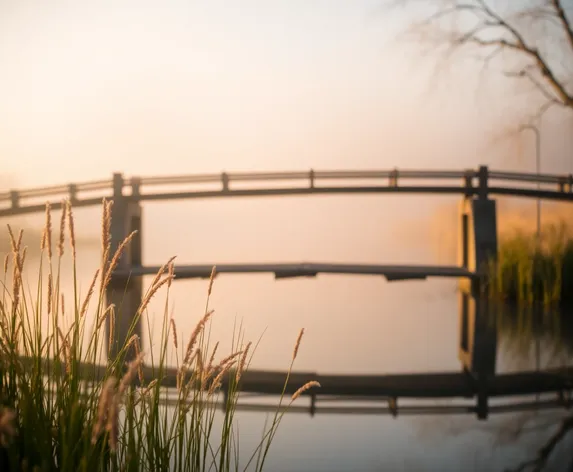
390	272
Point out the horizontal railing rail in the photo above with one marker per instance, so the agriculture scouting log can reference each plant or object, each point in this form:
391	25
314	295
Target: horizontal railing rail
530	178
467	182
387	391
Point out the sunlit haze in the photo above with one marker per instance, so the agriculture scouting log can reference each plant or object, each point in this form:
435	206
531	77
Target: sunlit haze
150	88
154	88
181	86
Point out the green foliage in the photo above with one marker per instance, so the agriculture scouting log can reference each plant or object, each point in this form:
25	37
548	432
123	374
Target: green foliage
528	271
530	288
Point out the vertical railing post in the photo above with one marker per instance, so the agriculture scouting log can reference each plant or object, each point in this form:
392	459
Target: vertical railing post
468	182
124	290
135	188
483	175
393	178
15	199
311	178
73	193
482	408
225	181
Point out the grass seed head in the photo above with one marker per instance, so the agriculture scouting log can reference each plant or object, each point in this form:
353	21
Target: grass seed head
297	344
304	388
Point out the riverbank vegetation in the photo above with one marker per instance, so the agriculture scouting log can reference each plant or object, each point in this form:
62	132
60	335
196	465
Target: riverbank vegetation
534	271
65	406
530	288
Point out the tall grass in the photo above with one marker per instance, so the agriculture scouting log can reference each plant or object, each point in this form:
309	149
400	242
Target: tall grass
65	405
529	271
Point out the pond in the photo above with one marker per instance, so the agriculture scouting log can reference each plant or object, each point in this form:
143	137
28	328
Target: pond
360	325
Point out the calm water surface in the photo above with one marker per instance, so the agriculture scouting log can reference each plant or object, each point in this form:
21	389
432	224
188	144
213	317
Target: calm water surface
352	325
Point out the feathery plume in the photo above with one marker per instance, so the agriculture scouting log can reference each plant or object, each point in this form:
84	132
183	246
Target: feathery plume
170	272
112	426
218	380
212	358
111	339
106	396
243	362
297	344
89	295
71	227
174	332
195	335
48	231
50	293
304	388
211	280
151	292
115	259
128	377
104	316
62	230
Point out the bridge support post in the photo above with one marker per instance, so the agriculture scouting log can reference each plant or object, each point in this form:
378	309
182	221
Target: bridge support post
477	234
477	350
477	249
125	292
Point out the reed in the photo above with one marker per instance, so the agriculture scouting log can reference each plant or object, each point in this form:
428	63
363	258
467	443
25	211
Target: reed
529	271
66	406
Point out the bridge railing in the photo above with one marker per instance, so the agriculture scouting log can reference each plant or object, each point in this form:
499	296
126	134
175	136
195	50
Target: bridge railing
307	175
91	193
532	178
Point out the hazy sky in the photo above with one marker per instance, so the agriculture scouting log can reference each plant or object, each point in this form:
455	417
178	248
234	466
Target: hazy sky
92	87
147	87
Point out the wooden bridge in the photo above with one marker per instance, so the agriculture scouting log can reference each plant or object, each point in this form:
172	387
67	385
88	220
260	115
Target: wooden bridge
466	183
477	246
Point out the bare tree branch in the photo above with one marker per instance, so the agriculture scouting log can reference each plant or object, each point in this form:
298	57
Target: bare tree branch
450	11
499	45
521	45
564	20
545	452
486	62
506	35
526	72
544	109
